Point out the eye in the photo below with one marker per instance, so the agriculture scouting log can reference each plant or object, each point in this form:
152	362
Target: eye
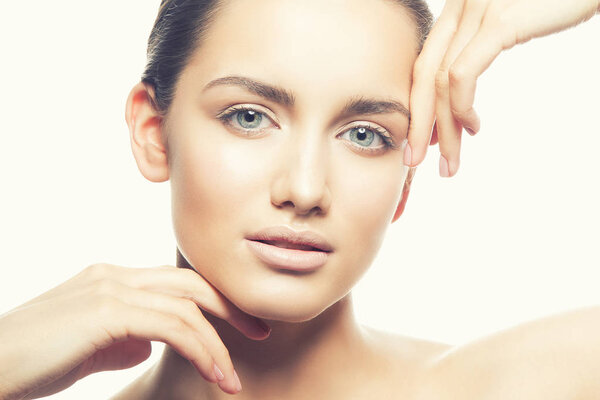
248	119
365	135
244	118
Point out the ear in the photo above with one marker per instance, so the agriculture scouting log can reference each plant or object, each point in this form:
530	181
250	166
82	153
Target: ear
145	132
405	192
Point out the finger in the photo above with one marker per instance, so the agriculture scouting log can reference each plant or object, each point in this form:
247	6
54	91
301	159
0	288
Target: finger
462	108
186	283
422	96
187	311
449	129
434	136
470	63
122	321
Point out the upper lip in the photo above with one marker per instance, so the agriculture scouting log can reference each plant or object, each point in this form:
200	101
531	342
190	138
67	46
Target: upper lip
285	234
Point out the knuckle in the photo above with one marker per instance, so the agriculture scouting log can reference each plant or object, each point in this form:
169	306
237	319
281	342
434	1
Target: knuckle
190	308
461	115
106	306
496	16
441	81
500	22
203	357
418	68
478	4
105	287
98	270
456	74
204	351
175	323
223	353
191	274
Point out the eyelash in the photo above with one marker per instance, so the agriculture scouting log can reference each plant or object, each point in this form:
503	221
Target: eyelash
388	142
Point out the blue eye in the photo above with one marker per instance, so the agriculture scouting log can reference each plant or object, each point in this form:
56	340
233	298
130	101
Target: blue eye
366	134
248	119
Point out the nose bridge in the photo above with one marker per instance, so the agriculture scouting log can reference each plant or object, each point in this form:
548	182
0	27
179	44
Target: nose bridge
303	177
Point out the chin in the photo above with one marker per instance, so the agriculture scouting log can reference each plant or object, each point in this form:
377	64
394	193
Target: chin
280	304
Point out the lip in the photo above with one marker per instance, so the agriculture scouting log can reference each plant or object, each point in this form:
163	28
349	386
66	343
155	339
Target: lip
285	234
263	245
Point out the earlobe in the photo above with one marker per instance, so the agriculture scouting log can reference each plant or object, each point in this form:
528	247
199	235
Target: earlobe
146	134
405	193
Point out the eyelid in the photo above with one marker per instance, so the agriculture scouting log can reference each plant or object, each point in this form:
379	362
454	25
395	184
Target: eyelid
368	125
384	133
387	136
244	106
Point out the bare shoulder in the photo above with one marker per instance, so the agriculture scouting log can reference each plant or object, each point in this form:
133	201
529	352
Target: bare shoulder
406	350
404	363
554	357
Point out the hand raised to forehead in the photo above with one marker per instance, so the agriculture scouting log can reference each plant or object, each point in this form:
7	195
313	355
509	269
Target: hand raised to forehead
466	38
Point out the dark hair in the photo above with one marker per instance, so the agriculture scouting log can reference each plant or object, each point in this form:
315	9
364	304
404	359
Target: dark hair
181	26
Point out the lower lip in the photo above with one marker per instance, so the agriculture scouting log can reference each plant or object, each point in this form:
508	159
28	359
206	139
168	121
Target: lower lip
292	259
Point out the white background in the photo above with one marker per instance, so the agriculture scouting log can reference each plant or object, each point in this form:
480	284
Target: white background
512	237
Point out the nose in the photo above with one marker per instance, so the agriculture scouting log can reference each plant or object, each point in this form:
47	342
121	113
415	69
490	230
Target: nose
301	181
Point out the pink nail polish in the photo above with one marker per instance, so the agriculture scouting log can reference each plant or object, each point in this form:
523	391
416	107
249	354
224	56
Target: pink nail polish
237	378
444	169
407	155
218	372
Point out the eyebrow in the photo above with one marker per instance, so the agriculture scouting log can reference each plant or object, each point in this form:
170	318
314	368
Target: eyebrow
356	105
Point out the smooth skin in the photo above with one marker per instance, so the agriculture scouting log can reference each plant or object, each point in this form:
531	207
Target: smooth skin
298	165
112	313
466	38
104	318
551	358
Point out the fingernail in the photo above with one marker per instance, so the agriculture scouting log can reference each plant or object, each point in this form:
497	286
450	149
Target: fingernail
407	155
218	372
470	131
444	169
237	378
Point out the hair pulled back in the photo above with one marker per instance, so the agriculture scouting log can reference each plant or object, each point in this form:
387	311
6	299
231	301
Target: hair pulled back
181	26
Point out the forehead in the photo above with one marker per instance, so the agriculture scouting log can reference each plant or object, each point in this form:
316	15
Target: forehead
336	48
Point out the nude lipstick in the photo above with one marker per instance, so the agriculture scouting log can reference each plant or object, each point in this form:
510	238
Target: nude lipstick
285	248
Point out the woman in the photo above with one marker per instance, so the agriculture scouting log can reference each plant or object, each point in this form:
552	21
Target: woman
311	167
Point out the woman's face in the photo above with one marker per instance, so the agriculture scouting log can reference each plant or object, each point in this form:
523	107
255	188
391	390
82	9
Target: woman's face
298	161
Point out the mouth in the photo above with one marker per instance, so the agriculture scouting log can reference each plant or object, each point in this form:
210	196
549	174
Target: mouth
295	258
286	238
287	245
283	248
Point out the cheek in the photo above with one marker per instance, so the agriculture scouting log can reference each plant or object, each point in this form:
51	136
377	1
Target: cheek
209	189
368	195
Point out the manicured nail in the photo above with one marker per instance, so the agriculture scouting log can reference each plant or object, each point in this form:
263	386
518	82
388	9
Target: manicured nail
444	169
237	378
218	372
407	155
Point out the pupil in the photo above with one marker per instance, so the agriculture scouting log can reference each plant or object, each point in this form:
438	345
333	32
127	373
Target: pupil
249	116
361	134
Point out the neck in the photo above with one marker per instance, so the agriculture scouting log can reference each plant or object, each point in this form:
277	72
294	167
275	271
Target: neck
313	352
